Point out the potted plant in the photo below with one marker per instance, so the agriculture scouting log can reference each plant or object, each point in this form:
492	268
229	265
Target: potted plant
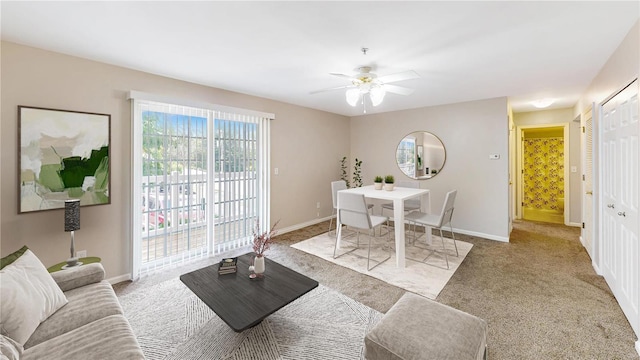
377	182
357	173
388	182
343	168
261	243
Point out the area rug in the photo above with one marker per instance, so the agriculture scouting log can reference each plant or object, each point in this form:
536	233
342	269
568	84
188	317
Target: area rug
170	322
426	279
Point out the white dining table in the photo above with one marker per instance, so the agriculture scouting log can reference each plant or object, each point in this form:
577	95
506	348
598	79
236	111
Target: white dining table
398	195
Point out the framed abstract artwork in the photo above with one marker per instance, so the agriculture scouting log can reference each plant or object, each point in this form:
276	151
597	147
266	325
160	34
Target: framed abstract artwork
63	155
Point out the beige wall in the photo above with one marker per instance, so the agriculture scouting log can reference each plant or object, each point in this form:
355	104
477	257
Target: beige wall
470	131
306	146
620	69
562	116
542	117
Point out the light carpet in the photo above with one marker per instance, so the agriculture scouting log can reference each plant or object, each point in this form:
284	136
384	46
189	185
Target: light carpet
426	279
170	322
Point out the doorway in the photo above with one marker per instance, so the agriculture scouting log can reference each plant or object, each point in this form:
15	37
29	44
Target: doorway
542	186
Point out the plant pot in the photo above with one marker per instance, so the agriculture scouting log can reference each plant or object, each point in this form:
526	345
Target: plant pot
258	265
388	187
377	186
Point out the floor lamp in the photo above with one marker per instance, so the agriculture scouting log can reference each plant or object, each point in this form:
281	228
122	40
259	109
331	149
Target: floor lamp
72	223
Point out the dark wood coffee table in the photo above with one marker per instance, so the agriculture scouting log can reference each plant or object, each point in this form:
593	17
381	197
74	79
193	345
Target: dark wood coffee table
242	302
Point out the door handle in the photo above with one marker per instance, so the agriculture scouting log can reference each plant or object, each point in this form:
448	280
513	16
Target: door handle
621	213
611	206
589	193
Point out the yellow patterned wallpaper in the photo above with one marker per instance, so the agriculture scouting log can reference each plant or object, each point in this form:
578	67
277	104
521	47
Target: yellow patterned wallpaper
543	173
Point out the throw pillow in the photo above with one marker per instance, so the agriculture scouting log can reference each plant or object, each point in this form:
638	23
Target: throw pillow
10	349
12	257
29	296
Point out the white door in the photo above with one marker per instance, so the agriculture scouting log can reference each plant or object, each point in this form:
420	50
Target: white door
620	215
587	182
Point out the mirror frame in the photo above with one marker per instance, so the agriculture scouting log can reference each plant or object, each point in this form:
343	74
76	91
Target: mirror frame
418	150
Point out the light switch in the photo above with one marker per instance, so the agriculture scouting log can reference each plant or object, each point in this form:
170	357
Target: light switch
275	171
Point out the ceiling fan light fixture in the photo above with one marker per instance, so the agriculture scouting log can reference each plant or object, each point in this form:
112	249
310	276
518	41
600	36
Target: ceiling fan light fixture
353	95
366	83
377	94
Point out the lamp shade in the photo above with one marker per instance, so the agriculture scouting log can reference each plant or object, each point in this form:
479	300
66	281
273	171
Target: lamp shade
72	215
377	95
352	96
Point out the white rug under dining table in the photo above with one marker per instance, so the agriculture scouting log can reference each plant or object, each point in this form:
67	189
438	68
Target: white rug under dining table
425	279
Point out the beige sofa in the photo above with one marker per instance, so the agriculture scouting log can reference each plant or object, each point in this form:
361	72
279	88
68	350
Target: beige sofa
90	326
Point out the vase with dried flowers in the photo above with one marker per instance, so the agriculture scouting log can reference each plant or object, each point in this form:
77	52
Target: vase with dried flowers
261	243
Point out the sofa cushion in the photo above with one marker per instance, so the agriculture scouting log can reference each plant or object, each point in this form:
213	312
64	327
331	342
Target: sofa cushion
29	296
86	304
9	259
79	276
105	339
10	349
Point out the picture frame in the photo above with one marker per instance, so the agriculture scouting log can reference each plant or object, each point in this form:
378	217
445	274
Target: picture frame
62	155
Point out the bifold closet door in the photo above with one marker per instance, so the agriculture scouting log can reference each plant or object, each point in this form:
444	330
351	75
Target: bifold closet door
620	215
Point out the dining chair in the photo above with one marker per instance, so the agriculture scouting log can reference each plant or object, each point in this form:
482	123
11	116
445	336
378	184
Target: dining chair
335	187
353	212
409	205
437	221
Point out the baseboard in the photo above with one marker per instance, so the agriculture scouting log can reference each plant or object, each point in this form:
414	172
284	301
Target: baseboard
482	235
127	277
302	225
119	279
459	231
574	224
582	241
596	268
638	346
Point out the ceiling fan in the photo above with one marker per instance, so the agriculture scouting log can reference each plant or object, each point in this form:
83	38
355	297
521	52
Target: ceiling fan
367	82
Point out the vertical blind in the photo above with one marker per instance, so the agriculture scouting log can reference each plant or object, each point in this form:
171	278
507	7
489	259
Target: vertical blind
236	187
200	181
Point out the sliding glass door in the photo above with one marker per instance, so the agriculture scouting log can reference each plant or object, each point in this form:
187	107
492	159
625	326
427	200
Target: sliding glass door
200	181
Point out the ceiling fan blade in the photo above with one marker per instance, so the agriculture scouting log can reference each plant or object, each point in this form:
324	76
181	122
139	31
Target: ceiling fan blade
342	75
398	89
406	75
330	89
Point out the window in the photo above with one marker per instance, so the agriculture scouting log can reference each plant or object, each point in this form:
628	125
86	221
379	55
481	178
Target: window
406	156
200	181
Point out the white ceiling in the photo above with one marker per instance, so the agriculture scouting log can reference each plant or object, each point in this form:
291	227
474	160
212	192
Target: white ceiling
283	50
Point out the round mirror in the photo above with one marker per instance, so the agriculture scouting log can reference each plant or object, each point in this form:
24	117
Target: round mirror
420	155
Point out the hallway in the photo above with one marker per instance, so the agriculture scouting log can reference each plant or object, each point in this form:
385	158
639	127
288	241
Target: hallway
543	180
